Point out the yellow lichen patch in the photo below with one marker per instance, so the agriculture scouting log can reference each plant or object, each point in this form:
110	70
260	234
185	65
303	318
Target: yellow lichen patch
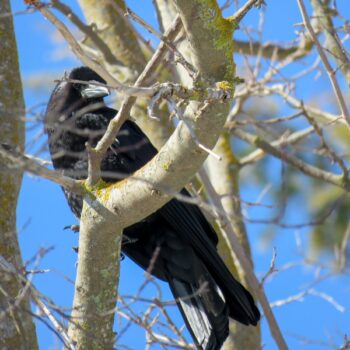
101	190
103	194
226	86
166	166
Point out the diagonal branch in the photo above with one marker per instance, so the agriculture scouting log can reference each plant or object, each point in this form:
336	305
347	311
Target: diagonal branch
188	66
337	180
88	30
20	161
292	139
272	50
331	73
242	11
333	43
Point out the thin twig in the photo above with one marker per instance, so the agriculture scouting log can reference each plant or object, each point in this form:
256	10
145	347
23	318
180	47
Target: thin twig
241	12
333	43
179	114
295	103
19	160
291	139
271	269
75	46
300	296
88	30
59	328
324	145
181	59
124	111
272	50
328	67
308	169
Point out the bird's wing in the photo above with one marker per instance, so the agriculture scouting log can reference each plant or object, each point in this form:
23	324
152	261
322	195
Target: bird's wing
187	225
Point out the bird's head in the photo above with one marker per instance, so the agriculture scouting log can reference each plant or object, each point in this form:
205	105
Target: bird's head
92	90
69	97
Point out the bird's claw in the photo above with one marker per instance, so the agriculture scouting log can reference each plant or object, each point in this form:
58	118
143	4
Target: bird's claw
74	228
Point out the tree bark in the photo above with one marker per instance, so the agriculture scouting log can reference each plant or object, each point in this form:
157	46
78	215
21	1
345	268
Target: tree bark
96	286
17	330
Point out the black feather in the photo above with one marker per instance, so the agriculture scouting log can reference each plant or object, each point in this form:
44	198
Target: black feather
177	238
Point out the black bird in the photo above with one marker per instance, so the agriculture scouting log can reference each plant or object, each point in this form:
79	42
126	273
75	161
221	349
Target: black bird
177	235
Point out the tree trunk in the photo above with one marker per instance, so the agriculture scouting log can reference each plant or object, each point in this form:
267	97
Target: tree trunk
17	330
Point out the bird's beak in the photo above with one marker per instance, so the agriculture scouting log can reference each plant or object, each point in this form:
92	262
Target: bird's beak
91	91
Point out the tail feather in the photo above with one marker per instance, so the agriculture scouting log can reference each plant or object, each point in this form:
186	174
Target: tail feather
239	310
204	312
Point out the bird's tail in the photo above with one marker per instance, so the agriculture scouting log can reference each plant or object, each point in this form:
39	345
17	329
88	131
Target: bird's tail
204	311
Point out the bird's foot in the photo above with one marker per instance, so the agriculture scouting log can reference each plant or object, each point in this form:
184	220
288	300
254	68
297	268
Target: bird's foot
74	228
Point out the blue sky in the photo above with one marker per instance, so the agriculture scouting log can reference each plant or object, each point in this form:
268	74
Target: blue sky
43	212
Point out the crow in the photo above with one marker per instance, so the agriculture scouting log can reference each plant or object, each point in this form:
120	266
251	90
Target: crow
177	238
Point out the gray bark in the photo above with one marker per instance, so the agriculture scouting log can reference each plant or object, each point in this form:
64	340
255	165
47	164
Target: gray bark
17	329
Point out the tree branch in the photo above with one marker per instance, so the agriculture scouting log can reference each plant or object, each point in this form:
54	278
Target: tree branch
307	169
331	73
241	12
21	161
333	43
88	30
292	139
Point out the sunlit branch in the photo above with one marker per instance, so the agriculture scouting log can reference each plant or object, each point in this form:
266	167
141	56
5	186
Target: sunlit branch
307	169
331	73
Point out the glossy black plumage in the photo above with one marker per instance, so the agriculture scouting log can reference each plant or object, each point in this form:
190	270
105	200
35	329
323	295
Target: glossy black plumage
184	241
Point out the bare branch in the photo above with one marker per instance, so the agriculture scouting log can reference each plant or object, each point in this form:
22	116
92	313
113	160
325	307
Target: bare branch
324	146
94	165
328	67
188	66
75	46
123	113
297	103
240	14
300	296
340	252
59	328
271	269
291	139
88	30
333	43
19	160
308	169
273	51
